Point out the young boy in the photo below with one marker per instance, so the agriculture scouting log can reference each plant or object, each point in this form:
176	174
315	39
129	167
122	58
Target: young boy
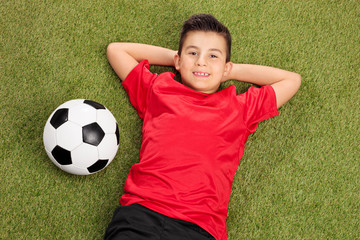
193	135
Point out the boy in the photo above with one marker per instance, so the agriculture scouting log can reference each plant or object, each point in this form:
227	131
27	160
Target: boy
193	136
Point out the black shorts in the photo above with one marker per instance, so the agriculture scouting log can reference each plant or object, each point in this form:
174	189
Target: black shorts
140	223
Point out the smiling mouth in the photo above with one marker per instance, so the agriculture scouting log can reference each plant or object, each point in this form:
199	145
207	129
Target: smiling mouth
201	74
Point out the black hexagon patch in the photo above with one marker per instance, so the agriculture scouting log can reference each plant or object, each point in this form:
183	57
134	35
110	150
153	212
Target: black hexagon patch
100	164
117	134
59	117
93	134
61	155
94	104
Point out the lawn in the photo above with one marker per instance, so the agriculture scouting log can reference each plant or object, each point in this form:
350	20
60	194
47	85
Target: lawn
300	175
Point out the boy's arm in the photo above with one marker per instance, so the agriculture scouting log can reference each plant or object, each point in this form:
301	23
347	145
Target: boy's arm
284	83
123	57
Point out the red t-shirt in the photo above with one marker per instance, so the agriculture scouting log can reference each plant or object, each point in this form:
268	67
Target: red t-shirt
191	147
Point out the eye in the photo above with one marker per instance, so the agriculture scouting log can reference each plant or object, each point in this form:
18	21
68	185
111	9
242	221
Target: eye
192	53
213	56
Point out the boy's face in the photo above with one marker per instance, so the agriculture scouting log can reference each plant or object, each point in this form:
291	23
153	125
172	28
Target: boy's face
202	63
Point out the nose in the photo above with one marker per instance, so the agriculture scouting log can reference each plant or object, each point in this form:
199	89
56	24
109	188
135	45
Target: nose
201	61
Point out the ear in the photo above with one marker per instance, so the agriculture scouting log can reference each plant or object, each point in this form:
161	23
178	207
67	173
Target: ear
228	68
177	61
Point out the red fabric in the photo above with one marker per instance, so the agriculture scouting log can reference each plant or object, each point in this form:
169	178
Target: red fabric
192	144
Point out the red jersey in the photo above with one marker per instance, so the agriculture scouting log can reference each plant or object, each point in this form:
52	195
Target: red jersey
191	147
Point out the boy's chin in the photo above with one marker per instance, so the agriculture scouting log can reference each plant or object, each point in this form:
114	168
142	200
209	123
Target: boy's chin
202	88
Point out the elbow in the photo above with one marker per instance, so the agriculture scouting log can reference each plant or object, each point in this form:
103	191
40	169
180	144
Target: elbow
111	48
297	80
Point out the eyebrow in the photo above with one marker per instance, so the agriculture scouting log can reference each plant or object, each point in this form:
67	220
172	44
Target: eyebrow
211	49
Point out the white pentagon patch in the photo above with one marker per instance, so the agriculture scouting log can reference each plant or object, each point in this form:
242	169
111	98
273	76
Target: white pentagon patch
106	121
49	137
84	156
108	147
69	136
82	114
75	170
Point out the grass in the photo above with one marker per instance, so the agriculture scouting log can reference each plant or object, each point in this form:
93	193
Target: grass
300	174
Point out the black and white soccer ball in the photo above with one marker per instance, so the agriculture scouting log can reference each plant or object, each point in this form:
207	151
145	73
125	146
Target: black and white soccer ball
81	137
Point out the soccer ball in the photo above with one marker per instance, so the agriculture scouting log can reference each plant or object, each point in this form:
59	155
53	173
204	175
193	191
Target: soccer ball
81	137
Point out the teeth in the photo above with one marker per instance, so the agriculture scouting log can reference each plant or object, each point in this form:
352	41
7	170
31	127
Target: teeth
201	74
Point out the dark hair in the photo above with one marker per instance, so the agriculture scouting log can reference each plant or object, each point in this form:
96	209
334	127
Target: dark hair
206	23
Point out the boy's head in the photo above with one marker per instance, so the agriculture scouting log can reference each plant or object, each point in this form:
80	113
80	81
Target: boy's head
205	23
203	58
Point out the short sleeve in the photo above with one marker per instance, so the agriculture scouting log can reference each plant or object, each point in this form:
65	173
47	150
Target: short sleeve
138	84
259	105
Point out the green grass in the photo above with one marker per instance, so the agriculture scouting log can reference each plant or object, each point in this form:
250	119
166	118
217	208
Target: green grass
300	174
